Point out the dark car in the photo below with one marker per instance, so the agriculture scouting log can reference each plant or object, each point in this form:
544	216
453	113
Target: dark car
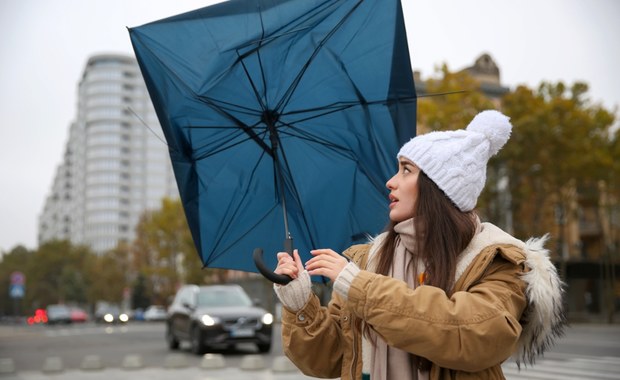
216	316
107	313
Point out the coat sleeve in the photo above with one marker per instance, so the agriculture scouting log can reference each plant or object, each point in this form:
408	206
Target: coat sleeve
312	338
470	330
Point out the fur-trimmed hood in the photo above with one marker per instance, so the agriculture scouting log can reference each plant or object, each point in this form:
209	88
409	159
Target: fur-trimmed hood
543	320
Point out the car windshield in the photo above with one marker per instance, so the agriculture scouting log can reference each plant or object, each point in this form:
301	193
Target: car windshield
223	297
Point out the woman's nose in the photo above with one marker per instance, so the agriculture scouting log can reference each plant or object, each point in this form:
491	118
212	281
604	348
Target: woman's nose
390	183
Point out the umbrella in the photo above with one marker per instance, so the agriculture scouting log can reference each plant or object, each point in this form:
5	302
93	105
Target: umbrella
282	118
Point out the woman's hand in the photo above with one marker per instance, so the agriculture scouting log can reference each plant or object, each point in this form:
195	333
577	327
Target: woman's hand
290	266
326	262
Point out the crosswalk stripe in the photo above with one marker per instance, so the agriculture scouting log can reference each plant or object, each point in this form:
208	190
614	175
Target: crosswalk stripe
606	368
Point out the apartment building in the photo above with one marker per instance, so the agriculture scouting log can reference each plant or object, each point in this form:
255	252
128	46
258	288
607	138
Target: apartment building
116	163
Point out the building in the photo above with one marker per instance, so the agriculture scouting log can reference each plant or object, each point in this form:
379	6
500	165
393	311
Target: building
116	163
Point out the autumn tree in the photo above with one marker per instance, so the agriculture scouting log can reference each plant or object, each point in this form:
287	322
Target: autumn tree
56	274
164	252
109	275
450	101
559	150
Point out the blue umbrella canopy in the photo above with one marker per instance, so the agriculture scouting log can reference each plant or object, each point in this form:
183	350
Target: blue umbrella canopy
282	117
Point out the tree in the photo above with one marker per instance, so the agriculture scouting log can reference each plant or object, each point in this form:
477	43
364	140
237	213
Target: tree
109	276
57	272
164	251
453	99
560	146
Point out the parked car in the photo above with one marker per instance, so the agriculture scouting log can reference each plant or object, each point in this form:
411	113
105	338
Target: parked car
155	313
58	314
216	316
78	315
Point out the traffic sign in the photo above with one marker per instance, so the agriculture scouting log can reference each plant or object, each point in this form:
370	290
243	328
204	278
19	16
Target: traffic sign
16	291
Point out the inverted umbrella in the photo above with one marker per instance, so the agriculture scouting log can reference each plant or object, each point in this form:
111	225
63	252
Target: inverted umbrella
283	118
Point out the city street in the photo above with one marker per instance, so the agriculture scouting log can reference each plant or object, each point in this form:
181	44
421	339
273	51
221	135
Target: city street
586	352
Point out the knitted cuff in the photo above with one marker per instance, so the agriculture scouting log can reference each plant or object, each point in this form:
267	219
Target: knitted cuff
296	293
345	278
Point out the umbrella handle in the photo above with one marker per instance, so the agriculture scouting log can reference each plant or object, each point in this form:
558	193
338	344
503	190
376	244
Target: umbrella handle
281	279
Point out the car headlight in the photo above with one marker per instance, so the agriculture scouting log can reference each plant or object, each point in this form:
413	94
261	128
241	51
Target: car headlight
208	320
267	319
108	318
123	317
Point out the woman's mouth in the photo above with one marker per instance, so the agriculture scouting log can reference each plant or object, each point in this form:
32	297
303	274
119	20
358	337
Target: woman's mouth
393	200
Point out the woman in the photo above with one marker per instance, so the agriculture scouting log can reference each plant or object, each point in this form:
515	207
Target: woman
438	295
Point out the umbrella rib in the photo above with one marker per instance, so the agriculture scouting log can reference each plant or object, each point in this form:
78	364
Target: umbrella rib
258	50
231	106
239	206
289	92
222	147
340	106
247	74
241	125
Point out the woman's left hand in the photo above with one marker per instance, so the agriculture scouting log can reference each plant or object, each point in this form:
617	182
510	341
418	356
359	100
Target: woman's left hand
326	262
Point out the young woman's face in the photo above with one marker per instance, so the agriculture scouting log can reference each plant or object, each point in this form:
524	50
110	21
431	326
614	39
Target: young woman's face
403	190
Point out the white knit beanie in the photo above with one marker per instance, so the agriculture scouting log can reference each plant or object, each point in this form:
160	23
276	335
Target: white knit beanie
457	160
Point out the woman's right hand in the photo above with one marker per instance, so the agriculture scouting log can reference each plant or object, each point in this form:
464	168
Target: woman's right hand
290	266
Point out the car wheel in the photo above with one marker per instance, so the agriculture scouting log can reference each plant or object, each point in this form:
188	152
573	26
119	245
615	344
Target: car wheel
266	347
173	342
198	345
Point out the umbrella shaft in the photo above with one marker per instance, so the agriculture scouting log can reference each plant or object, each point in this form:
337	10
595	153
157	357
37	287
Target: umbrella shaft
274	138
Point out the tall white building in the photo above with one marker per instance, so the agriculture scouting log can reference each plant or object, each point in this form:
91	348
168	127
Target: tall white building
116	163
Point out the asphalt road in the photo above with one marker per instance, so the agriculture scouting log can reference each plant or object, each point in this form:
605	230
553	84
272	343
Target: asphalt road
29	346
587	351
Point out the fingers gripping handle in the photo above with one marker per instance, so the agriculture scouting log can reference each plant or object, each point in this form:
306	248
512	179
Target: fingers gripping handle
281	279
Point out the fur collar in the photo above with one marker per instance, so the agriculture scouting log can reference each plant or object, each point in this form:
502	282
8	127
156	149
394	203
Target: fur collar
543	321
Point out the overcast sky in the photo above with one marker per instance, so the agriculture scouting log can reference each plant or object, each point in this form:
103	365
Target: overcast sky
46	43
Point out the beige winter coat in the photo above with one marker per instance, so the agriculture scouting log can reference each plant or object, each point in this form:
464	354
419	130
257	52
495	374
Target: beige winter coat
466	336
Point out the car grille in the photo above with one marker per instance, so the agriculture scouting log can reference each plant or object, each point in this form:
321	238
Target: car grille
241	322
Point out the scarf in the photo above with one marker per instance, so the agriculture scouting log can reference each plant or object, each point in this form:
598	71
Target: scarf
390	362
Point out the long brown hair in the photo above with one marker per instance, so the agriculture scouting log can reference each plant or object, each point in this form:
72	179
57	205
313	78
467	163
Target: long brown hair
442	232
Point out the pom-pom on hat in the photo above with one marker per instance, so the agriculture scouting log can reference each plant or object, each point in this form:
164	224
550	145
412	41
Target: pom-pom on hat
457	160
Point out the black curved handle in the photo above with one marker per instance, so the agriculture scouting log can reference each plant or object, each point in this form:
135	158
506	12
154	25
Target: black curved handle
281	279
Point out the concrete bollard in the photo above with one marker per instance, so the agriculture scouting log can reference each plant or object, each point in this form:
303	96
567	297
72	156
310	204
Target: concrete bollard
252	362
7	365
283	364
52	364
175	361
132	362
213	361
91	363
